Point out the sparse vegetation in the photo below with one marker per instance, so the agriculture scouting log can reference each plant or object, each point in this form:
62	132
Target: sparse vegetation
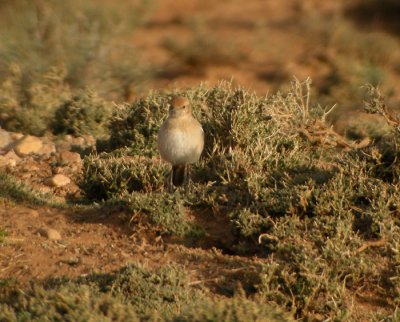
316	211
11	189
303	178
135	126
201	51
354	58
82	115
273	191
30	108
134	293
110	175
78	37
51	107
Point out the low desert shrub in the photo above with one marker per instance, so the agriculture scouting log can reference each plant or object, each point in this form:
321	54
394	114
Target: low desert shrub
133	293
291	189
84	114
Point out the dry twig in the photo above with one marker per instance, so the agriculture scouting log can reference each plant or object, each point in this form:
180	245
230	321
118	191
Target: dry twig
372	243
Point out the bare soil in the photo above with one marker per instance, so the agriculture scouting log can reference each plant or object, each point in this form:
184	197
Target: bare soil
271	38
95	242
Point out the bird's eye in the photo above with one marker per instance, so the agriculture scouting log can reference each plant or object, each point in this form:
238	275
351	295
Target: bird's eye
184	106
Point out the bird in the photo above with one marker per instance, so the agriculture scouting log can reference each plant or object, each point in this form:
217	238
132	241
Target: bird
180	140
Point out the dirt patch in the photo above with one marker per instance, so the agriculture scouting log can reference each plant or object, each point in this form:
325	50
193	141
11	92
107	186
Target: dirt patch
84	247
95	243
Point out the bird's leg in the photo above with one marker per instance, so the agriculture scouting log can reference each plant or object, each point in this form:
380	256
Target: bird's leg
187	178
170	185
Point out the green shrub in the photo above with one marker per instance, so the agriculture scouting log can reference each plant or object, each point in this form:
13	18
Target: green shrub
111	175
287	186
133	293
165	213
136	125
201	51
30	108
82	115
79	36
66	303
231	310
147	291
16	191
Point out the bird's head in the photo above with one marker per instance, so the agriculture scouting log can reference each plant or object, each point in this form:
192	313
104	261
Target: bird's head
179	106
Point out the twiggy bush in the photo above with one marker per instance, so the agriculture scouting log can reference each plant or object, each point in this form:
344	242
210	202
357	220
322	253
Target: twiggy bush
30	108
201	51
111	175
136	125
82	115
48	105
79	36
134	293
137	184
322	208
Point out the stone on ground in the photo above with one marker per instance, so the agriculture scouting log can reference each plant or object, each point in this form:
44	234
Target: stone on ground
68	157
50	233
9	159
28	145
5	139
58	180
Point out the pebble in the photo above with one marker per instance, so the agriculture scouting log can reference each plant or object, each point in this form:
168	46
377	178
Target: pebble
5	139
68	157
9	159
50	233
48	149
33	213
58	180
28	145
12	157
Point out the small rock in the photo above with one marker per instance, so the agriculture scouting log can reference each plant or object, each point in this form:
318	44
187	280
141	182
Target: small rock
4	162
123	254
12	155
58	180
30	167
44	189
33	213
68	157
50	233
28	145
48	148
72	261
4	116
9	159
26	176
5	139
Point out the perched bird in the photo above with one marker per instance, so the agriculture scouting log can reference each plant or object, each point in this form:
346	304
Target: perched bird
180	140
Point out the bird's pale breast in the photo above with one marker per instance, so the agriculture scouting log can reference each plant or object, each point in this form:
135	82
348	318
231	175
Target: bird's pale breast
181	141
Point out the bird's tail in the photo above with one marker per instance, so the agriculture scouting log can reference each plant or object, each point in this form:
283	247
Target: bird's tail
178	174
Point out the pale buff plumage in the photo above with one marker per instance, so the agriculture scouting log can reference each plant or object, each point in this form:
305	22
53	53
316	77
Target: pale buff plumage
180	139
